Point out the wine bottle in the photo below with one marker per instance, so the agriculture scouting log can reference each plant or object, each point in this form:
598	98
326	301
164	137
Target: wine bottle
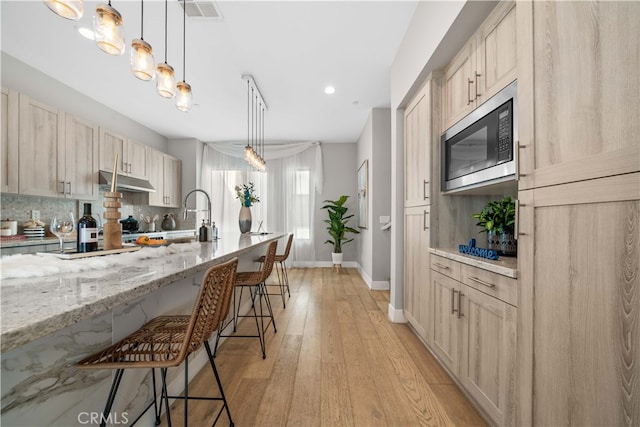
87	231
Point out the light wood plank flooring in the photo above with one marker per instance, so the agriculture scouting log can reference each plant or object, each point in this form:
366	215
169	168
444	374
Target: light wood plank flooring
336	360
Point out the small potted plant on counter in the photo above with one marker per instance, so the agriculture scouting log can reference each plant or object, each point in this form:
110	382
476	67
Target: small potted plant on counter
498	220
338	227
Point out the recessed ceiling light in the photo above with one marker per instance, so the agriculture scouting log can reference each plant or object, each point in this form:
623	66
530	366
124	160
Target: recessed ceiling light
87	33
329	90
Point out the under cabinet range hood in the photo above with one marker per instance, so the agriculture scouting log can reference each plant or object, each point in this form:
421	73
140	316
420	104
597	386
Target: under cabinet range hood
126	183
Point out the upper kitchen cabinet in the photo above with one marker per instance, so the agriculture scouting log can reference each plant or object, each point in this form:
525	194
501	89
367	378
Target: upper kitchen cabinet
165	174
81	159
41	152
132	156
485	65
583	82
417	148
9	153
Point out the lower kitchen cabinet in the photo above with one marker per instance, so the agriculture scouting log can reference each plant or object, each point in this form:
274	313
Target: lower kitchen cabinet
474	336
417	285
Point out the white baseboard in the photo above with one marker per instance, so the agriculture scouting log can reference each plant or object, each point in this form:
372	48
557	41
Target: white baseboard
322	264
374	285
396	316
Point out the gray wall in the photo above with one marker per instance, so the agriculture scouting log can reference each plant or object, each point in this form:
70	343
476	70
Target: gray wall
39	86
374	145
340	177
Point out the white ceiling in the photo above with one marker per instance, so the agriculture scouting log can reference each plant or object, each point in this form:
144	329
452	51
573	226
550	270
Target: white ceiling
293	49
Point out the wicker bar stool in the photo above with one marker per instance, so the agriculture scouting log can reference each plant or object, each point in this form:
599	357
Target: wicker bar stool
283	277
255	282
167	341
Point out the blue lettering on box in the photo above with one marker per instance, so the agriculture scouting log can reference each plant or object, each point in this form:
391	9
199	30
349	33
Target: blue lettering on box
471	249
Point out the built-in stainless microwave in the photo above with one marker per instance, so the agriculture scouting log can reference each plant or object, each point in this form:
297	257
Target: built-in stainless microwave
481	148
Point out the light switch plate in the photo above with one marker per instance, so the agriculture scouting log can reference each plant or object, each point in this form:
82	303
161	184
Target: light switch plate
385	219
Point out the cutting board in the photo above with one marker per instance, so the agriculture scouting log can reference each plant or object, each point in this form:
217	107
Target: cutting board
78	255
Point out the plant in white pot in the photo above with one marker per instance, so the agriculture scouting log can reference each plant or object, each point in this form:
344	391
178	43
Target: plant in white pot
338	227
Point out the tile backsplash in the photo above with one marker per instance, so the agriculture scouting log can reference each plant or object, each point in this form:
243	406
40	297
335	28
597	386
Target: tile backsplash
19	207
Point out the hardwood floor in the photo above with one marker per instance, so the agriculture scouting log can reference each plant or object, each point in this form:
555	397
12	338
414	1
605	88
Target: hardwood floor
336	360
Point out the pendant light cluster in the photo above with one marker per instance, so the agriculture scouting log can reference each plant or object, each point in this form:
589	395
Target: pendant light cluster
256	106
109	35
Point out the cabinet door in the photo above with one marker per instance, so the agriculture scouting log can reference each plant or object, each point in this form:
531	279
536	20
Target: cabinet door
459	85
41	131
9	150
488	357
137	159
417	149
418	300
497	52
81	158
172	181
155	165
581	309
585	71
445	320
111	144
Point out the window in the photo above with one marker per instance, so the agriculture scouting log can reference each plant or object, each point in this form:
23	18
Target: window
226	206
302	203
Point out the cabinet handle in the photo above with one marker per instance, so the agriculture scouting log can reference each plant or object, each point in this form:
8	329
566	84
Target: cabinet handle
515	226
476	84
69	182
460	295
424	190
424	221
129	167
482	282
453	298
469	82
63	186
437	264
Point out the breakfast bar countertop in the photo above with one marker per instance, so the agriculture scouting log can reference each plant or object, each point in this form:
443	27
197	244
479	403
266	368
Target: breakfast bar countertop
59	295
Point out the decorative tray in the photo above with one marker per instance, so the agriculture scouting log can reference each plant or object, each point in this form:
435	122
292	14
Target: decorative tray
78	255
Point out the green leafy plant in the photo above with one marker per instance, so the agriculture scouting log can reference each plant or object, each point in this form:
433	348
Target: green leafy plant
246	194
338	223
498	216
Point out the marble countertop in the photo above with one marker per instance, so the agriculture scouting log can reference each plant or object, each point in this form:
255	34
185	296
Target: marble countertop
33	307
506	266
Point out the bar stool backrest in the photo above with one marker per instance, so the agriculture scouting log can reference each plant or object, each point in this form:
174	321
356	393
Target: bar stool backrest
212	305
269	259
285	255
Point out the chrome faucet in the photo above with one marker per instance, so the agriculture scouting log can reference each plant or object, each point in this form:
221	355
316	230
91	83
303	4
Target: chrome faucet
186	211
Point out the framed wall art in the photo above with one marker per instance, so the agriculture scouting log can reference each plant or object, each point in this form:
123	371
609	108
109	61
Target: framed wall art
363	190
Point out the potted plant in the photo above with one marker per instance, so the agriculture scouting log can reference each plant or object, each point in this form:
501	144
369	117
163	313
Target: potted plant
498	219
338	226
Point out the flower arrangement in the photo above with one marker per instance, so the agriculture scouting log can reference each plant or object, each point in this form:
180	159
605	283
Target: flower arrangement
247	195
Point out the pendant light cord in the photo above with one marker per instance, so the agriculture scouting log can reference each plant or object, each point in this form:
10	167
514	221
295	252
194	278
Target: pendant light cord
165	31
141	19
184	39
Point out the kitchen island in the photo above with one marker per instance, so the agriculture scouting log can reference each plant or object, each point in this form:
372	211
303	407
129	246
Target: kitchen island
51	321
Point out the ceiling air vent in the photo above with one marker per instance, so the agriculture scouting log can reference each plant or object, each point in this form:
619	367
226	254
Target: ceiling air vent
202	9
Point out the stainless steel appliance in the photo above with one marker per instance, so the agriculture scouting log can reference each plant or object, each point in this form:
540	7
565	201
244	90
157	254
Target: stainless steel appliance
480	149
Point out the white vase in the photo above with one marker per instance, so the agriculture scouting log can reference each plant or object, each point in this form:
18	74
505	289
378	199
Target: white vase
244	220
336	258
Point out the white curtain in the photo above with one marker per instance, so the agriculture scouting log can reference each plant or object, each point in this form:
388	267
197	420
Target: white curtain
286	190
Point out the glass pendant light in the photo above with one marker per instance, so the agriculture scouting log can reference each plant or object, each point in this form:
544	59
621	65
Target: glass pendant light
141	54
166	84
107	25
69	9
184	98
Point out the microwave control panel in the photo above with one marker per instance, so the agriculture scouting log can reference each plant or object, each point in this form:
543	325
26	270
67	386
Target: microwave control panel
504	134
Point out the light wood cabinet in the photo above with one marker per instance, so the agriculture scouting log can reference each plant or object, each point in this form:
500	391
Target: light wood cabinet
583	84
81	159
475	337
417	286
165	175
132	156
417	149
41	152
579	214
485	65
9	149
